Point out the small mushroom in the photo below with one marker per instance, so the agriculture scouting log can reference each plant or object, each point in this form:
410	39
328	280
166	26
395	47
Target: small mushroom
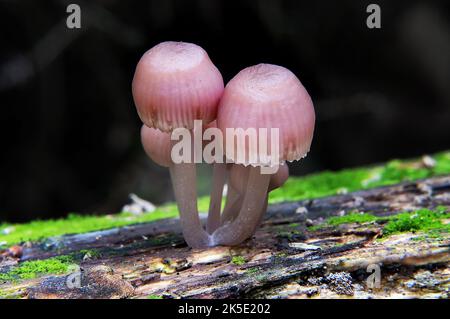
157	145
175	83
220	174
263	96
237	185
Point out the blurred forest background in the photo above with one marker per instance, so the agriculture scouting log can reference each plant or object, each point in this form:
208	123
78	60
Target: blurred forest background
69	131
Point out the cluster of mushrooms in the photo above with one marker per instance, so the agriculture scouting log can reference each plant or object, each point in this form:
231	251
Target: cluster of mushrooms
175	83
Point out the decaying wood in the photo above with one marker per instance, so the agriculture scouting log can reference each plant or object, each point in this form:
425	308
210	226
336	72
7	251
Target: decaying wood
283	260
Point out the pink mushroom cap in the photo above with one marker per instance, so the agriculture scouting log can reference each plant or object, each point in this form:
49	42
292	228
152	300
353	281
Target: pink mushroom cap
157	145
269	96
174	84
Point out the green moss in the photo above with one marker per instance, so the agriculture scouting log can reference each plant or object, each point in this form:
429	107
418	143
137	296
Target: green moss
50	266
154	297
319	185
419	238
331	183
238	260
35	268
75	224
10	294
316	227
252	270
354	217
423	220
434	234
442	163
350	218
296	188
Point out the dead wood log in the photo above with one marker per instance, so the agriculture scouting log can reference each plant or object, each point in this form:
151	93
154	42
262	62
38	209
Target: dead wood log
285	258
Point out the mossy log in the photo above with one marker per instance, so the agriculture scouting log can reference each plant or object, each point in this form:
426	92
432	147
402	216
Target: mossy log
295	254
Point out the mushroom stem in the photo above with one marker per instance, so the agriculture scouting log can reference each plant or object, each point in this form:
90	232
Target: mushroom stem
250	213
237	184
185	188
263	211
232	210
232	205
236	191
219	176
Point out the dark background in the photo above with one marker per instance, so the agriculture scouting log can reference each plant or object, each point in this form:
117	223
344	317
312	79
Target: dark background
69	131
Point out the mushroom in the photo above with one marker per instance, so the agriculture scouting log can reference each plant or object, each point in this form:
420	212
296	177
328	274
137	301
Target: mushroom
263	96
220	174
236	189
175	83
157	145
